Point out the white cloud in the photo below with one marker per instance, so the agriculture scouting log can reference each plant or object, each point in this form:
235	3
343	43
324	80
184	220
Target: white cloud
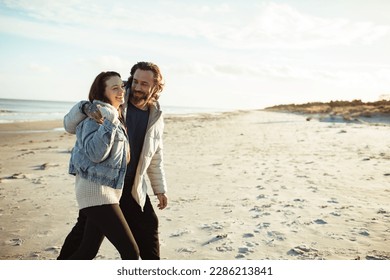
65	12
341	76
108	62
39	30
260	71
36	67
282	26
267	26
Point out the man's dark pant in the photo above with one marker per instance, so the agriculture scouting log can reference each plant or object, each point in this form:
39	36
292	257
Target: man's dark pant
143	225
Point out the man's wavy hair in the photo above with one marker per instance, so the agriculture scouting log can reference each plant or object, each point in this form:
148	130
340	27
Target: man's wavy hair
148	66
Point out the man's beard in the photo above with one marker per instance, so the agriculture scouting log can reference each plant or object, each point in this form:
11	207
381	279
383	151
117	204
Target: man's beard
140	98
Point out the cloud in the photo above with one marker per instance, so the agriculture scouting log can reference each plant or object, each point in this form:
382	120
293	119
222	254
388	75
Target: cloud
345	76
260	71
284	27
58	12
276	26
39	68
105	62
39	30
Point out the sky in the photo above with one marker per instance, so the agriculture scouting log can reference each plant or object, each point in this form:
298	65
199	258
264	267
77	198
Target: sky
216	54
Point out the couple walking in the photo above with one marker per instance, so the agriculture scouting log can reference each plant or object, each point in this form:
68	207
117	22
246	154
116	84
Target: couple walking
118	152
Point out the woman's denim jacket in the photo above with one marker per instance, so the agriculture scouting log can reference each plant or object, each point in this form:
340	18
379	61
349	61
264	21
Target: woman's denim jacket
100	153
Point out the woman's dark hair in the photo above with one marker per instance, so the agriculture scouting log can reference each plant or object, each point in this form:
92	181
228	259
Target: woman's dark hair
148	66
98	86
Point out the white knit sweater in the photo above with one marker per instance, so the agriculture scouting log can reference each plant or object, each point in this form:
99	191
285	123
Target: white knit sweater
91	194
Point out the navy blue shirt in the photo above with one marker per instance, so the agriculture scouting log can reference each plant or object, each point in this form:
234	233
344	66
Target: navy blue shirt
136	122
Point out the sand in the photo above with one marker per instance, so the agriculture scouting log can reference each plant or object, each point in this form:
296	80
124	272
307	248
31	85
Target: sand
242	186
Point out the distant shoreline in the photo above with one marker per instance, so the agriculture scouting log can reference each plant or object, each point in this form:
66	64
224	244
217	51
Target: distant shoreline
338	111
18	110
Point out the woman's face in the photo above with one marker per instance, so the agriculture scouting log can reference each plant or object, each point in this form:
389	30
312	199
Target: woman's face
115	92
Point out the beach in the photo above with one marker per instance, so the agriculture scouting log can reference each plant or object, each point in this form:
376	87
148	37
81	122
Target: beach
243	185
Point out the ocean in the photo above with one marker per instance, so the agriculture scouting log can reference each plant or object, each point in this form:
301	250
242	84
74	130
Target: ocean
18	110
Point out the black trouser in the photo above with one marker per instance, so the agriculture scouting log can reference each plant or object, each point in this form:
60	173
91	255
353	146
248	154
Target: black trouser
143	225
106	220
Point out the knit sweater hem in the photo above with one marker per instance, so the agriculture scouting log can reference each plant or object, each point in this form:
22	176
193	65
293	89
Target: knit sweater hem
90	194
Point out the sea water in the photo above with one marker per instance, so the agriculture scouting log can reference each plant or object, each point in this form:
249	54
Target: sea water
18	110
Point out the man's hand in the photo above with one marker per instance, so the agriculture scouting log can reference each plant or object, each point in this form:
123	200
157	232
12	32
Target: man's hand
92	111
163	201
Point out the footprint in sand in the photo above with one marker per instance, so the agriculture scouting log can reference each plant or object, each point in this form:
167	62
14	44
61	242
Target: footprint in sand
38	181
364	232
263	225
26	153
179	233
333	200
245	250
336	213
216	238
45	166
320	222
303	251
53	249
35	255
383	212
186	250
378	255
256	209
16	176
224	248
15	242
213	227
275	235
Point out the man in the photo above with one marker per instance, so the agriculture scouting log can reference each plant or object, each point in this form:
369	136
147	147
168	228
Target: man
145	126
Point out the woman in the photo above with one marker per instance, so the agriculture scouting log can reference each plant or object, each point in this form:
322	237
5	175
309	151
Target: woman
99	161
